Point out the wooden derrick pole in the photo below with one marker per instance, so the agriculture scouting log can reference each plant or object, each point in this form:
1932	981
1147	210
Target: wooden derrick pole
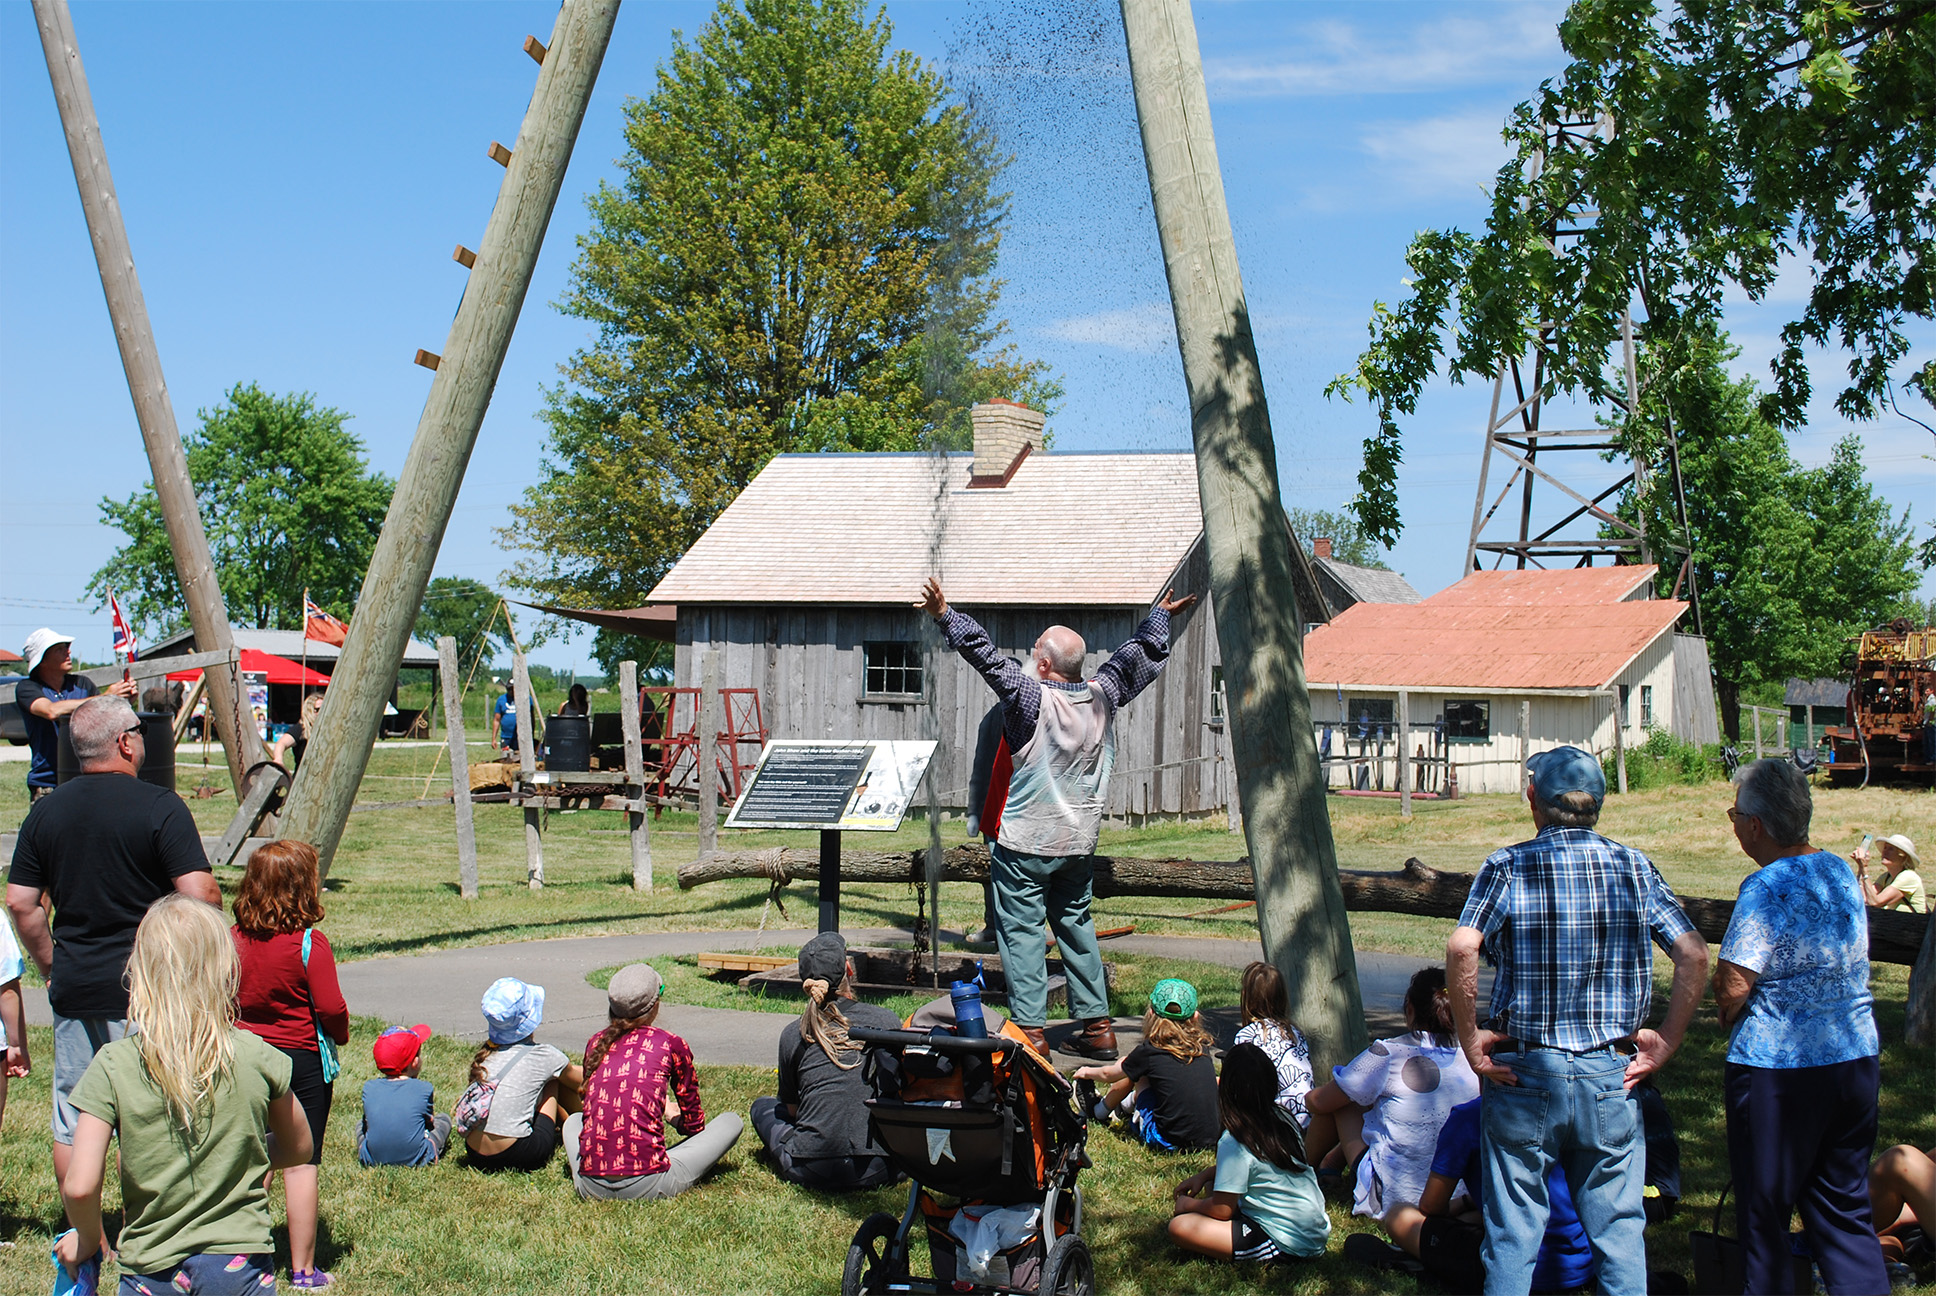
1253	556
638	832
135	335
466	372
460	767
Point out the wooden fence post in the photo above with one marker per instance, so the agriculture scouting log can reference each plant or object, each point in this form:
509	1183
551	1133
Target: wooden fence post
1619	744
460	767
639	834
527	770
709	753
1404	753
1526	740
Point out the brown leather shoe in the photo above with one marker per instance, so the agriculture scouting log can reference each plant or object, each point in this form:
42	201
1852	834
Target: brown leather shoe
1038	1039
1097	1040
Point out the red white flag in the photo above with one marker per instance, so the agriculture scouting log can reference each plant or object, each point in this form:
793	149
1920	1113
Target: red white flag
320	625
124	643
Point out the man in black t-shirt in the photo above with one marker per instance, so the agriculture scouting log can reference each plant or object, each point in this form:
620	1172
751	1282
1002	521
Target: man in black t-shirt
102	848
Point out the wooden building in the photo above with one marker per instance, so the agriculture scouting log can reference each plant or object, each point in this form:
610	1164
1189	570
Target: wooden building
1508	663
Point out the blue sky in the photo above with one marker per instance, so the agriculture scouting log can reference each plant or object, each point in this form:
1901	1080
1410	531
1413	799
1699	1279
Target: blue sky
294	177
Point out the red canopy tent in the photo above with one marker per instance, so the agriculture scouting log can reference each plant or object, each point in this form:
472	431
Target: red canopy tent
280	670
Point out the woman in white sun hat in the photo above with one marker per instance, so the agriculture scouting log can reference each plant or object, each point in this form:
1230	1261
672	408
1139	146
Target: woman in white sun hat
1900	886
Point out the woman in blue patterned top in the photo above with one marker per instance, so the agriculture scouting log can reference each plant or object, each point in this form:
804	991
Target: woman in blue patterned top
1802	1070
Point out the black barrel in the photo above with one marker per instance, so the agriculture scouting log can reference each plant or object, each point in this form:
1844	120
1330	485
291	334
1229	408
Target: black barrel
568	743
158	768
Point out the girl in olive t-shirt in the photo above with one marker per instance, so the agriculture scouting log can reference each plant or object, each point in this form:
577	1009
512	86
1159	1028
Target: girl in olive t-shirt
190	1097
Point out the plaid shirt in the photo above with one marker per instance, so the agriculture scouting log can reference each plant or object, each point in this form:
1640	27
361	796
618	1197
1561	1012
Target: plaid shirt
1566	919
1129	670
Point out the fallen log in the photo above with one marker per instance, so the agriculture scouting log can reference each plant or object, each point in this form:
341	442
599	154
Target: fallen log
1415	889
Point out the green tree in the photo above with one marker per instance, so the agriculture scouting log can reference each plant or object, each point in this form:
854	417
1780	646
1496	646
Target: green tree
1703	146
288	503
798	257
1788	561
1349	543
466	610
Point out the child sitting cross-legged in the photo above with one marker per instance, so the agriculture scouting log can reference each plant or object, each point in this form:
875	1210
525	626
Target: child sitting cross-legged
401	1123
1171	1075
617	1145
1261	1200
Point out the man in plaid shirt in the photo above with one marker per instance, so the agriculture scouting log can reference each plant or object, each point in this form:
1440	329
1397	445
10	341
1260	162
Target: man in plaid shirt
1567	920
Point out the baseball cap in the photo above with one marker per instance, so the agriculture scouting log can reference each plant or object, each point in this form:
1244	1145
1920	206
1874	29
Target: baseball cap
1174	998
512	1009
633	991
824	958
1567	769
38	643
396	1048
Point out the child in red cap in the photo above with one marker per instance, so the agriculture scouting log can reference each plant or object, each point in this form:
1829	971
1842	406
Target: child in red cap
401	1124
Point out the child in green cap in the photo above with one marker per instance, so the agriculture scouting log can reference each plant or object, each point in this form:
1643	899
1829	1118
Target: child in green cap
1171	1075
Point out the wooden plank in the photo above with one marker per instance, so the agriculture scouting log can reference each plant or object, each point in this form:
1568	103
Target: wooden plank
745	962
534	802
637	831
709	752
527	766
460	768
267	781
555	778
186	711
499	154
465	257
535	48
428	359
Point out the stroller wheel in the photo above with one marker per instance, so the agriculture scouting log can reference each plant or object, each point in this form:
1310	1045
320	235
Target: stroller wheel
1068	1270
874	1259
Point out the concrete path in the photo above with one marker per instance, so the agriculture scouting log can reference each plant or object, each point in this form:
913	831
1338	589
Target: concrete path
443	987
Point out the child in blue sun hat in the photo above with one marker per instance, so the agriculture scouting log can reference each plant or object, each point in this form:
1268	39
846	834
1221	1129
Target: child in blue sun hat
1171	1075
520	1090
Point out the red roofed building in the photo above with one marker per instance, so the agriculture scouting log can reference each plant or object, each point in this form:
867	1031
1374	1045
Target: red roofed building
1504	664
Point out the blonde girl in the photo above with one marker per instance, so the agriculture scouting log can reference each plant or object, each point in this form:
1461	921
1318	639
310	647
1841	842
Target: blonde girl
1171	1075
190	1097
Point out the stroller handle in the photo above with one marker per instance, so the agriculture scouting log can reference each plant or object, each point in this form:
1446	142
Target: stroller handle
935	1040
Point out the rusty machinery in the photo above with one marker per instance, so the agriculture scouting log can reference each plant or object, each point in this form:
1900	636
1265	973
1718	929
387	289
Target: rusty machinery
1892	673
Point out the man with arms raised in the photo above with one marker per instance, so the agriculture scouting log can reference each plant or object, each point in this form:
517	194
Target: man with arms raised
48	694
103	847
1062	731
1567	920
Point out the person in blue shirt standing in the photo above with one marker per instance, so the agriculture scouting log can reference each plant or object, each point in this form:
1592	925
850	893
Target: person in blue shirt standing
46	697
1803	1069
505	712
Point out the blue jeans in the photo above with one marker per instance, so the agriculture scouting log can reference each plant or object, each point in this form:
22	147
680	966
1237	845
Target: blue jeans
1572	1109
207	1275
1032	889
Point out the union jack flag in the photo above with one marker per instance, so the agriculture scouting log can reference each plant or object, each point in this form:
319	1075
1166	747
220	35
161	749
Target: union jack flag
320	625
123	633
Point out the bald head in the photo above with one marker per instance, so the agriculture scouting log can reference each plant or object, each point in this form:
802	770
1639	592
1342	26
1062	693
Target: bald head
1058	654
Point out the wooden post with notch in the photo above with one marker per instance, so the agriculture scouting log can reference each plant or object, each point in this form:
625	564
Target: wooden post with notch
527	773
709	753
128	309
460	768
1253	555
636	829
460	393
1404	753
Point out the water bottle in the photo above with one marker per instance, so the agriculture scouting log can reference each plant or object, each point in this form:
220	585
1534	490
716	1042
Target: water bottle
967	996
86	1283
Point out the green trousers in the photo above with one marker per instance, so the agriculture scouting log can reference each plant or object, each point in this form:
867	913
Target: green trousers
1031	890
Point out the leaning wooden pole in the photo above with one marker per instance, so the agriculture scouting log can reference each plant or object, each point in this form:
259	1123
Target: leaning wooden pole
180	511
393	589
1300	906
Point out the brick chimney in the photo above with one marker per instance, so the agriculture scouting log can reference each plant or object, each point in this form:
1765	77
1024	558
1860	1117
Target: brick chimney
1005	434
1321	547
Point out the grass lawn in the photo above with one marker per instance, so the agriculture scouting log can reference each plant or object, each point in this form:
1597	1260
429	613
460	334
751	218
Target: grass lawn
393	889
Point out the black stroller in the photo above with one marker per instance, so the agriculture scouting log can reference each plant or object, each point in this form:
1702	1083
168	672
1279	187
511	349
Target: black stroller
988	1123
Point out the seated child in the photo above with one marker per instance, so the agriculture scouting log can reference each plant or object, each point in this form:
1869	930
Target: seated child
520	1089
1382	1112
1443	1231
817	1130
1263	1198
617	1146
1171	1074
401	1124
1267	1024
1902	1199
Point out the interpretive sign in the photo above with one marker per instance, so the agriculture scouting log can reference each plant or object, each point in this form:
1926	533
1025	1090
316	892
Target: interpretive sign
800	783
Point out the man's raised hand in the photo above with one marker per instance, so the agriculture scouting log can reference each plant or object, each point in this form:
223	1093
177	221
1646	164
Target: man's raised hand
1172	604
932	601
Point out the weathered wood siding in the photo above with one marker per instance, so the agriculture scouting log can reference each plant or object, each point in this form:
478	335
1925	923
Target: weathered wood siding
809	668
1695	717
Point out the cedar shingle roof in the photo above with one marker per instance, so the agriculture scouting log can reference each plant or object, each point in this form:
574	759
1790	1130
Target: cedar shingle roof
1068	530
1369	584
1573	629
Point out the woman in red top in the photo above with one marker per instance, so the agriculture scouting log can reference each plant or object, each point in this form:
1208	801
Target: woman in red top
287	996
617	1146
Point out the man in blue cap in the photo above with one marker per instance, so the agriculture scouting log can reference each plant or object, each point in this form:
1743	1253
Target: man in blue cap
1567	919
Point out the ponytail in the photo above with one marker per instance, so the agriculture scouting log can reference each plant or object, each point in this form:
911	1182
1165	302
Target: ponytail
478	1074
1431	1005
822	1022
617	1029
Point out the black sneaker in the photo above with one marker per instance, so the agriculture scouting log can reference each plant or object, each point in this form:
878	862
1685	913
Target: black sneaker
1364	1249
